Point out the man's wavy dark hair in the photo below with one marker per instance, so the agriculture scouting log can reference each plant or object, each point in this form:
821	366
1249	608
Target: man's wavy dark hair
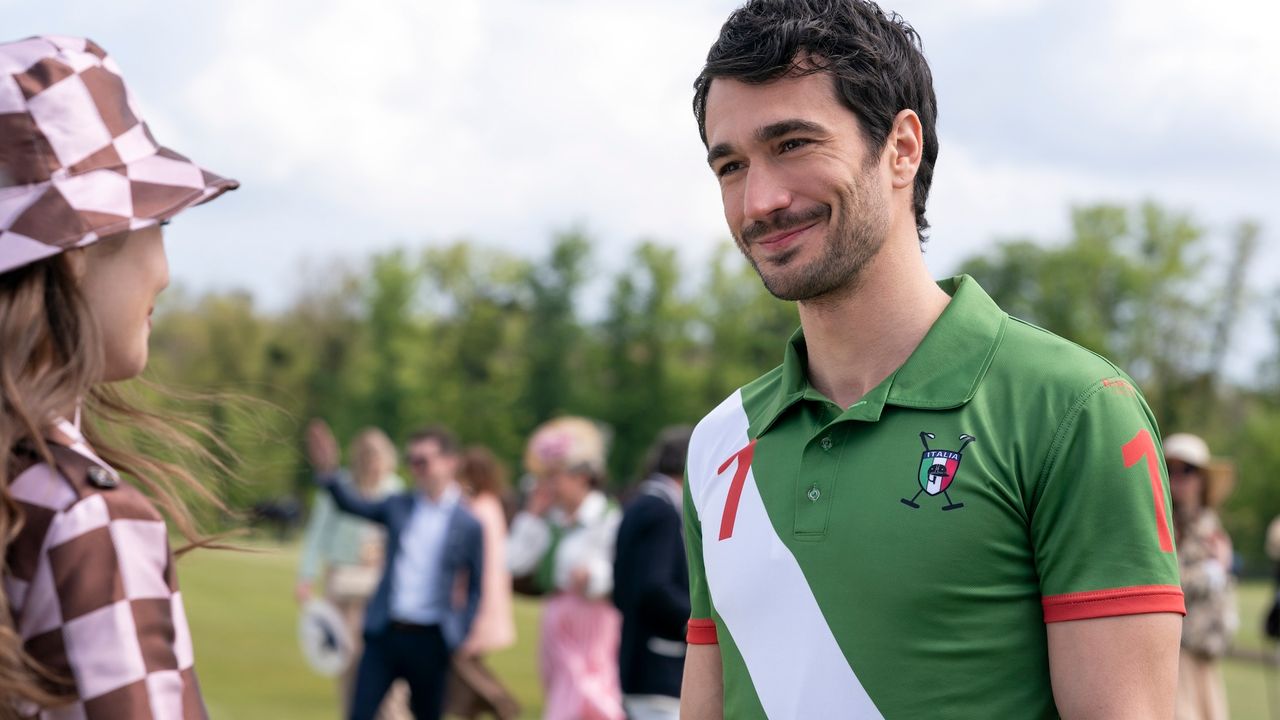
875	59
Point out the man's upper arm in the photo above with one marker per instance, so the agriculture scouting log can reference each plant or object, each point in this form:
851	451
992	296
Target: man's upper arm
702	628
1101	527
349	502
1115	667
702	692
1101	516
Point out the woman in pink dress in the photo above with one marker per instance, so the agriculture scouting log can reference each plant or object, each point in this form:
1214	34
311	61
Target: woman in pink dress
474	691
565	538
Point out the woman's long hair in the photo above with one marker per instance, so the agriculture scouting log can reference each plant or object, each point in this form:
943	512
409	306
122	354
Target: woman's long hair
482	472
373	458
51	356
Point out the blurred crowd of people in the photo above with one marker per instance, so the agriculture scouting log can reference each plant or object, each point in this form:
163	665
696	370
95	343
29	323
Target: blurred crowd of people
614	578
614	581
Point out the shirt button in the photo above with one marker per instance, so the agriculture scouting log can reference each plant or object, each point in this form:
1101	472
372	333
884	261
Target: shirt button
826	443
100	478
813	494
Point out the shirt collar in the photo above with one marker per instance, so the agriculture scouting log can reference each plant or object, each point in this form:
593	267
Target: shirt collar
665	486
593	507
943	372
447	500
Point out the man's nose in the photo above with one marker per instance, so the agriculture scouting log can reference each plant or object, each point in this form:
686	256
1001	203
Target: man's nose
765	193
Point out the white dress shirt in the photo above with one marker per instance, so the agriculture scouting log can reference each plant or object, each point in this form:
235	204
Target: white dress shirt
415	596
587	543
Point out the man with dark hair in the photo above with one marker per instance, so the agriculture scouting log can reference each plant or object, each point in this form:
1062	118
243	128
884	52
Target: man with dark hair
445	441
651	584
413	623
930	509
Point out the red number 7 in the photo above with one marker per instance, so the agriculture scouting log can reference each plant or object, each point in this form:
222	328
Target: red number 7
743	457
1136	449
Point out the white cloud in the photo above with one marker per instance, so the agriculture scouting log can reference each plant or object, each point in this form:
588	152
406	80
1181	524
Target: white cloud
346	89
465	118
356	126
1218	59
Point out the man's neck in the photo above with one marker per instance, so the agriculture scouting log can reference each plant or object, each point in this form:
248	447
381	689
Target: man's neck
435	491
857	339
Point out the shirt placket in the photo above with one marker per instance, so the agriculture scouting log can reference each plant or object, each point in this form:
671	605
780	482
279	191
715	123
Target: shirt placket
824	470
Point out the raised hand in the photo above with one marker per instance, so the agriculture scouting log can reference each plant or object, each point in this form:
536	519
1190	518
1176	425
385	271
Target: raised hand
322	447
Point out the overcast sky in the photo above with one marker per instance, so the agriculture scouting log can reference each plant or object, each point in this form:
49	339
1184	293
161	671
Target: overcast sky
356	126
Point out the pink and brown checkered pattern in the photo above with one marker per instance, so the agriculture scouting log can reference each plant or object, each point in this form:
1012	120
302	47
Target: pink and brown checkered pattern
92	589
77	163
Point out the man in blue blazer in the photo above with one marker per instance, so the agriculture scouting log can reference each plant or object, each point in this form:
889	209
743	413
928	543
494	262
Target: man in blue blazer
412	624
651	585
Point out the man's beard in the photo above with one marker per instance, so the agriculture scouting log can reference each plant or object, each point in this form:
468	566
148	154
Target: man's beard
851	243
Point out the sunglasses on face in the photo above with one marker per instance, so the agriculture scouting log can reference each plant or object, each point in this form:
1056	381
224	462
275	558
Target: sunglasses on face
419	462
1180	470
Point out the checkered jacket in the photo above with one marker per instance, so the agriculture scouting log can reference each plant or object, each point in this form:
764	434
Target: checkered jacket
94	597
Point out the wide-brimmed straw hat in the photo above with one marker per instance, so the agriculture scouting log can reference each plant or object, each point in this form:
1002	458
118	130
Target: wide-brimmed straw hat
77	163
1219	473
326	643
567	443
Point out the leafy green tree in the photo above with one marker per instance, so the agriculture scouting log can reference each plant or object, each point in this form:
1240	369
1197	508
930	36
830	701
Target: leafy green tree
397	340
644	378
479	332
1127	284
554	332
742	327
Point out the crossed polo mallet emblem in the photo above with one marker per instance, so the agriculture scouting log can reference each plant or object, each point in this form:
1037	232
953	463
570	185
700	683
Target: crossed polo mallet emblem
937	471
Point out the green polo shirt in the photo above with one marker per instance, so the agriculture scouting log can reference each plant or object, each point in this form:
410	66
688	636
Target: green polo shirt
900	557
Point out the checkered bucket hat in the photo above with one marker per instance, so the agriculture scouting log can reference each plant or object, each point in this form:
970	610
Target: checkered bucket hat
77	163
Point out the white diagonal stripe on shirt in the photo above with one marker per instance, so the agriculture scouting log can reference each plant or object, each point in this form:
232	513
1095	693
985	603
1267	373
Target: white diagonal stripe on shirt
760	592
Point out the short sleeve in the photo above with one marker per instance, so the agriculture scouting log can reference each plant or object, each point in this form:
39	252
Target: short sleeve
702	629
1101	522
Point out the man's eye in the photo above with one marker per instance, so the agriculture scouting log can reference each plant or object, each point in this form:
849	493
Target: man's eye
729	167
792	144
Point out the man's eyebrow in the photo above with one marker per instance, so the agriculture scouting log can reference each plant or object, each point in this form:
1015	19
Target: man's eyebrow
781	128
719	151
768	133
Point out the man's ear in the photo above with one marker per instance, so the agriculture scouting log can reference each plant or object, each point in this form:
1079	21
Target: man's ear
906	147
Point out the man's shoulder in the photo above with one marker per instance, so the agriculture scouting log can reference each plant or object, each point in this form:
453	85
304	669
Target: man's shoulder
404	499
647	507
1031	354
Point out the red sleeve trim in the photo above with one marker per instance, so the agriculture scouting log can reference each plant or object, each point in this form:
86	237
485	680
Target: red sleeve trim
1116	601
702	632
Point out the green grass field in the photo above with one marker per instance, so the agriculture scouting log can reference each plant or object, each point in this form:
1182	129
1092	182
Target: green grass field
243	619
244	623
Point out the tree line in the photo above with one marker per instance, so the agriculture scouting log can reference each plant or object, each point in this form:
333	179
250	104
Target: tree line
490	343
